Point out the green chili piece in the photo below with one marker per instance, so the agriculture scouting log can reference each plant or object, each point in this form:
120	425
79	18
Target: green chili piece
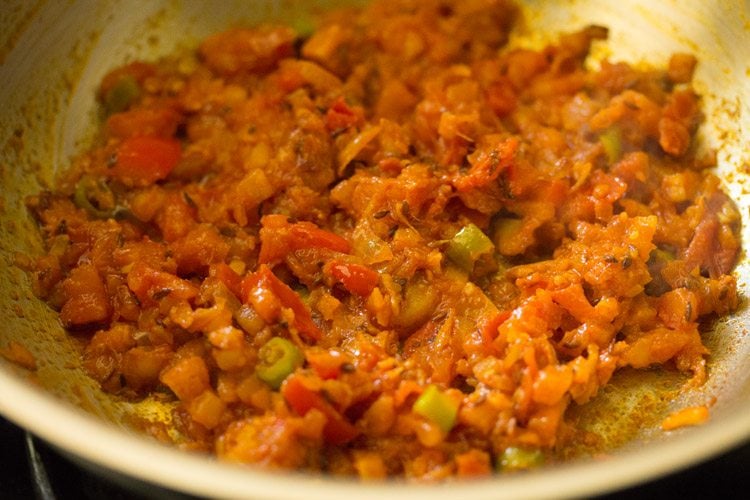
438	407
419	302
278	359
94	197
519	458
611	140
121	95
467	246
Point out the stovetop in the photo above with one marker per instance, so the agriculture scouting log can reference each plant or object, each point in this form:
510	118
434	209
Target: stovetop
30	469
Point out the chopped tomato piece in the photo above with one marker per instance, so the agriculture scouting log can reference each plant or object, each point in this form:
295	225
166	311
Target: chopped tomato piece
188	377
694	415
302	399
341	116
326	363
488	166
356	278
149	284
159	122
266	293
86	297
142	365
279	236
144	160
263	300
245	50
489	326
706	249
473	463
201	247
226	275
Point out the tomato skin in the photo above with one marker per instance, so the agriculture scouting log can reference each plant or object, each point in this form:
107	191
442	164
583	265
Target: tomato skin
144	160
279	237
267	293
302	399
255	291
356	278
226	275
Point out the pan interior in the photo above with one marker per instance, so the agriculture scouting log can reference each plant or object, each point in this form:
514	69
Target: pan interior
44	123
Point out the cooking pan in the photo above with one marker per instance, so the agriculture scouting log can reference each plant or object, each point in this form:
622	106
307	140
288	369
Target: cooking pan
52	54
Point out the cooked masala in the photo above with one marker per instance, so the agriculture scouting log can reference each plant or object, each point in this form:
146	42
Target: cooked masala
396	246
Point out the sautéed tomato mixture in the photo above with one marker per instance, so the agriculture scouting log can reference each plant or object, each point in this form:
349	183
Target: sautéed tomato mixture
396	246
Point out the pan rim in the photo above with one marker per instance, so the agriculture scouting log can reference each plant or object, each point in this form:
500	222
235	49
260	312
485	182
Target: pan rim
125	452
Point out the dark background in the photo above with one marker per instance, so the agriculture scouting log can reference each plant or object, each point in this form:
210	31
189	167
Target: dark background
725	477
